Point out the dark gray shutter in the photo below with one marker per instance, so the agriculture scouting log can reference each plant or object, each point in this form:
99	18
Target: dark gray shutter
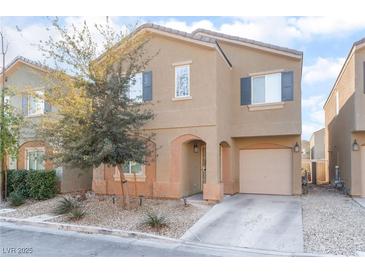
246	91
47	107
147	86
287	86
25	105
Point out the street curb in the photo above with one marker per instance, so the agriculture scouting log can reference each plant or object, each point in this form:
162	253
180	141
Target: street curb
141	235
86	229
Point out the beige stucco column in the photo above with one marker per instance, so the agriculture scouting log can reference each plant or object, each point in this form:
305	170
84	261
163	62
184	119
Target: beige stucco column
213	188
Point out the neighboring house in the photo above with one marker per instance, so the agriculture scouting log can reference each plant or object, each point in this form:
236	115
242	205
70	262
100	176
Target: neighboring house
26	77
306	162
228	118
345	122
317	157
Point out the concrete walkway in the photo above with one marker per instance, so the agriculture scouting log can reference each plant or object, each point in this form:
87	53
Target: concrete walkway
360	201
253	221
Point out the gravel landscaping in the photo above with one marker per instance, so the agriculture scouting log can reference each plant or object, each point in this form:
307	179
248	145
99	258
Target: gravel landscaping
332	222
32	208
100	211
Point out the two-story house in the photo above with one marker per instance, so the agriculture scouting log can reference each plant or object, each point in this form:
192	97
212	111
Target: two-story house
25	78
345	123
228	118
317	157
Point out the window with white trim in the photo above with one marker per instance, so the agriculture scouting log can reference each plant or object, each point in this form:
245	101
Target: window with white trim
133	168
337	103
36	104
182	81
135	92
35	158
266	88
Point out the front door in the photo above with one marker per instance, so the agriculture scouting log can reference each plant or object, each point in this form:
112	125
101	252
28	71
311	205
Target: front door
203	164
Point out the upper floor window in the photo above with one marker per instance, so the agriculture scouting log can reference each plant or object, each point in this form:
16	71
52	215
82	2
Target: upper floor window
33	105
182	81
135	92
337	103
35	158
266	88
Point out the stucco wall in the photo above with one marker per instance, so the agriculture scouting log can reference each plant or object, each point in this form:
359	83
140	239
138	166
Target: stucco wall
317	146
339	126
360	90
245	123
75	179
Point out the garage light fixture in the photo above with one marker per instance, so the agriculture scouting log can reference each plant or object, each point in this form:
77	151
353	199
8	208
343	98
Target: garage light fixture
355	146
296	147
195	146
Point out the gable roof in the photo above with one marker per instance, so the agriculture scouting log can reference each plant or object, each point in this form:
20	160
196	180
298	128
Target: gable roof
209	38
355	45
247	42
180	34
26	61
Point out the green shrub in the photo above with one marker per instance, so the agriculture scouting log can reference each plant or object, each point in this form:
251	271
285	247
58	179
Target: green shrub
17	182
16	198
42	184
155	220
77	213
66	205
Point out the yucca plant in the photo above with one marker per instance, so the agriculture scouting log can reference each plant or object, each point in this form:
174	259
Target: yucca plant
16	198
66	205
155	220
76	213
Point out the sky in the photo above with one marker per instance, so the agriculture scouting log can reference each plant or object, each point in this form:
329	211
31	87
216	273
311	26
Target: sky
325	42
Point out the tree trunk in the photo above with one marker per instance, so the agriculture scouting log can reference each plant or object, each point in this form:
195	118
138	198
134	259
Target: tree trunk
124	186
5	180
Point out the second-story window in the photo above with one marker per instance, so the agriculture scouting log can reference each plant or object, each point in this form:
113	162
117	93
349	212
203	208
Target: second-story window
266	88
35	104
136	88
182	81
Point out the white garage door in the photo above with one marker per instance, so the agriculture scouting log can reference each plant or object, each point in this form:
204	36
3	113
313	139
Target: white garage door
266	171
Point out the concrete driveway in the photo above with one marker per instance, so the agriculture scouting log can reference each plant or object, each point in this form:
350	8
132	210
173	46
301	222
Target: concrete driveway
256	221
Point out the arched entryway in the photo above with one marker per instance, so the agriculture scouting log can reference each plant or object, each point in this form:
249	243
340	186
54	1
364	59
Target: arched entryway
188	164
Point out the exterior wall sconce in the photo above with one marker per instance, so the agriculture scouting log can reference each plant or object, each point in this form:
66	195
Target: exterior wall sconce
355	146
296	147
195	146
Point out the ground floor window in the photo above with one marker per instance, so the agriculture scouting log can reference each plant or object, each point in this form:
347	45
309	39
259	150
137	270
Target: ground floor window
35	158
133	168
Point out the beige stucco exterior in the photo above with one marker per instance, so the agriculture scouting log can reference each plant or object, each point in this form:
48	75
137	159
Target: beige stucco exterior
213	117
348	124
23	77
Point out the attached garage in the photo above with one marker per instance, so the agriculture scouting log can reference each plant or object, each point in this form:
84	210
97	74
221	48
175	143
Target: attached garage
266	171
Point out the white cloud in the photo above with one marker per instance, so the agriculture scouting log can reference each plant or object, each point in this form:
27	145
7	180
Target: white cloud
183	26
313	102
26	41
322	70
328	25
308	128
313	110
278	30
